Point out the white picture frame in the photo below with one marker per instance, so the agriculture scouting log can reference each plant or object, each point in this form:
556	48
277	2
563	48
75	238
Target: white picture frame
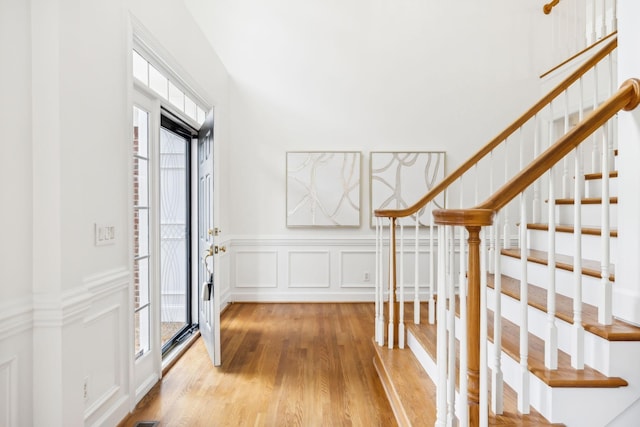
323	188
398	179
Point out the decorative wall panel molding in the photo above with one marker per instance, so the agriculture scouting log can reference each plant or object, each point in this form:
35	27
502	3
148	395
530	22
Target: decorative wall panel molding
357	268
256	269
9	392
400	179
16	316
323	189
309	269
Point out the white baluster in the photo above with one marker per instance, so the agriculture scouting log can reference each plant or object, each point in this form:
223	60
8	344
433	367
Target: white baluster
377	284
593	21
441	337
566	177
537	201
605	316
595	156
484	339
551	344
401	296
497	387
577	353
523	395
614	17
603	22
416	296
492	243
506	234
432	270
451	323
392	268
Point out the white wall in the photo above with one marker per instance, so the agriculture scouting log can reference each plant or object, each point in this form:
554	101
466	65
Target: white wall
65	116
364	76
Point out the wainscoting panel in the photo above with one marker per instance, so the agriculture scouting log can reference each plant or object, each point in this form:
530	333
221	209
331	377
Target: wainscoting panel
256	269
16	362
9	392
309	269
357	269
105	353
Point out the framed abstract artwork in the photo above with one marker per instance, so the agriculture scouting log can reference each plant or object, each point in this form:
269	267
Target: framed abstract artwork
399	179
323	189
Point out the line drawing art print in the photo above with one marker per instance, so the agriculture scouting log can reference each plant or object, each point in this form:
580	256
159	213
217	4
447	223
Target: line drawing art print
323	189
399	179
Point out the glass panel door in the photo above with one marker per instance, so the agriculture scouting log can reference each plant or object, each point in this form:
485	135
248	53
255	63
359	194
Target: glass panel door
175	313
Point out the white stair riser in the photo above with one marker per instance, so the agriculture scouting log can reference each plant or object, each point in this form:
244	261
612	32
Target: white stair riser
600	349
591	245
538	274
591	215
593	188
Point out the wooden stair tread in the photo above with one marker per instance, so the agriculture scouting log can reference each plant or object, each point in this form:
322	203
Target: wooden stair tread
564	376
537	296
425	334
586	201
563	262
591	176
410	391
567	228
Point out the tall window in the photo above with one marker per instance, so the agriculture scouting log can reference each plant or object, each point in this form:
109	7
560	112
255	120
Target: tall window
141	230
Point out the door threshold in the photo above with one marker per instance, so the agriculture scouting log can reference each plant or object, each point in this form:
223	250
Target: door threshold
176	353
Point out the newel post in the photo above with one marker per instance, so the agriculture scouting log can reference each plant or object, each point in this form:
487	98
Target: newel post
473	220
473	326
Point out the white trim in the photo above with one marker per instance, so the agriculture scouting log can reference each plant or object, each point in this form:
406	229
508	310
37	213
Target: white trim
16	316
108	282
313	296
54	310
147	45
11	366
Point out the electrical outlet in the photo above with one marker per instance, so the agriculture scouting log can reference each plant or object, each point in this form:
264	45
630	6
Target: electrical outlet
366	277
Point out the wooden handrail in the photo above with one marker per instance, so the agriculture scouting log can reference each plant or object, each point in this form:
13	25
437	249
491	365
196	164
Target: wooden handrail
542	103
582	52
549	6
626	98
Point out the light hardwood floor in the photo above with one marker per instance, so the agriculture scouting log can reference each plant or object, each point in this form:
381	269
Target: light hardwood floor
282	365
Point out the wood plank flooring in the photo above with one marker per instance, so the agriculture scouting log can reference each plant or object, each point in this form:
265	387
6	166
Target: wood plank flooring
283	365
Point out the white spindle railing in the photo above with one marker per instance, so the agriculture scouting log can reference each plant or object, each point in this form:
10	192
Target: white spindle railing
447	276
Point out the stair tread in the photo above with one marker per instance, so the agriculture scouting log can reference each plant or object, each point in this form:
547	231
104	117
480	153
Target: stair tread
409	389
564	262
568	228
564	376
414	394
537	296
592	176
586	201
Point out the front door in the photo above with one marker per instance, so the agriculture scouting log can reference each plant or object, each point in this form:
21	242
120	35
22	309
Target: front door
209	295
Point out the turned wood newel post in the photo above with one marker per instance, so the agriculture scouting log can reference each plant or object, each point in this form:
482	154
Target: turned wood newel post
473	326
473	220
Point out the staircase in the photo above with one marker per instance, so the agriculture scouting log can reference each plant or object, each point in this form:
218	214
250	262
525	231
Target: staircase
609	380
514	322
